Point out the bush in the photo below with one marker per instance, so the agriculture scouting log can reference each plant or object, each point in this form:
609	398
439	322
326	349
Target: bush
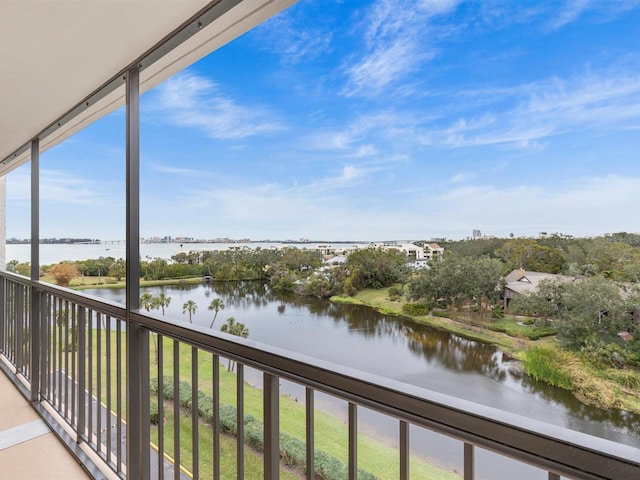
608	355
153	413
292	450
497	311
254	433
416	309
440	313
63	273
329	468
394	293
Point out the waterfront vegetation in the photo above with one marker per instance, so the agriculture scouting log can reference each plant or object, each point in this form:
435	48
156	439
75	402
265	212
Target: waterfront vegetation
578	319
603	384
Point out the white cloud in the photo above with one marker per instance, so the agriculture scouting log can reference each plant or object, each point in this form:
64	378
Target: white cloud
609	101
349	172
189	100
582	206
604	10
189	172
396	44
460	177
282	36
571	11
56	186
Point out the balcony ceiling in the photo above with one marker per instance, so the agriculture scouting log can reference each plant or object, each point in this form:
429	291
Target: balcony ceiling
55	53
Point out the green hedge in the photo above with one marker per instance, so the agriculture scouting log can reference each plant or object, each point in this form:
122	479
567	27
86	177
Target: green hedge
292	451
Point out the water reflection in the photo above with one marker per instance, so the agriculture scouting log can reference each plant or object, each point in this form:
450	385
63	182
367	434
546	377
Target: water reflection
402	350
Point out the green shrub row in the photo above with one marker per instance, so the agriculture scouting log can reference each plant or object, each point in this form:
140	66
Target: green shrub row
292	450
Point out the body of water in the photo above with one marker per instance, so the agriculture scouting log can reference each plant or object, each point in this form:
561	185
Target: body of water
397	348
54	253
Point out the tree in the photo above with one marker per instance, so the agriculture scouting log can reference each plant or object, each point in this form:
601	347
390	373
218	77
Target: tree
530	255
591	307
375	267
544	304
161	301
118	269
460	280
234	328
190	306
146	301
63	273
586	311
216	305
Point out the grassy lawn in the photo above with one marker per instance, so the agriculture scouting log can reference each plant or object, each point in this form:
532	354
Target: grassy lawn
82	283
85	282
514	327
331	433
253	462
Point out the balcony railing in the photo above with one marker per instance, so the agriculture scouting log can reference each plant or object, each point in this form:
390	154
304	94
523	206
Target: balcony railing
72	351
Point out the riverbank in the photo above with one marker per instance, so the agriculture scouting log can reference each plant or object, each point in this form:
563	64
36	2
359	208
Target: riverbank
604	387
593	385
87	282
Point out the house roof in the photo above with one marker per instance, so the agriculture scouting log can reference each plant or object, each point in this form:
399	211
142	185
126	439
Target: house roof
522	281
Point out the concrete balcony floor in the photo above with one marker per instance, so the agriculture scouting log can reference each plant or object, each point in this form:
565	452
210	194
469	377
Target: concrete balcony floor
28	449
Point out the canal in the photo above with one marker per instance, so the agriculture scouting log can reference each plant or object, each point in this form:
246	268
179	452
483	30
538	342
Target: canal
400	349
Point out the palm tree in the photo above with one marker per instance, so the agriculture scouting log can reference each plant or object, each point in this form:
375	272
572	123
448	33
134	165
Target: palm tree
190	307
146	301
234	328
162	301
216	305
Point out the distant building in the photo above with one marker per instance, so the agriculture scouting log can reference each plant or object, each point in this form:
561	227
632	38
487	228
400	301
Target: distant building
433	251
430	251
334	259
420	264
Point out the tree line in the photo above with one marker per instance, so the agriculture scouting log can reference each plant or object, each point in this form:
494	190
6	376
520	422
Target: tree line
587	311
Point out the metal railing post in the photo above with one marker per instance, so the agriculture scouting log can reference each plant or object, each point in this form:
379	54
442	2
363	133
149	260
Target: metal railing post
310	424
35	335
82	372
137	346
19	326
353	441
3	314
469	467
404	450
44	345
34	310
271	427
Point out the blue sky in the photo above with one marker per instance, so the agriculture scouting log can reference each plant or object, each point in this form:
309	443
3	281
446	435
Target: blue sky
374	120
